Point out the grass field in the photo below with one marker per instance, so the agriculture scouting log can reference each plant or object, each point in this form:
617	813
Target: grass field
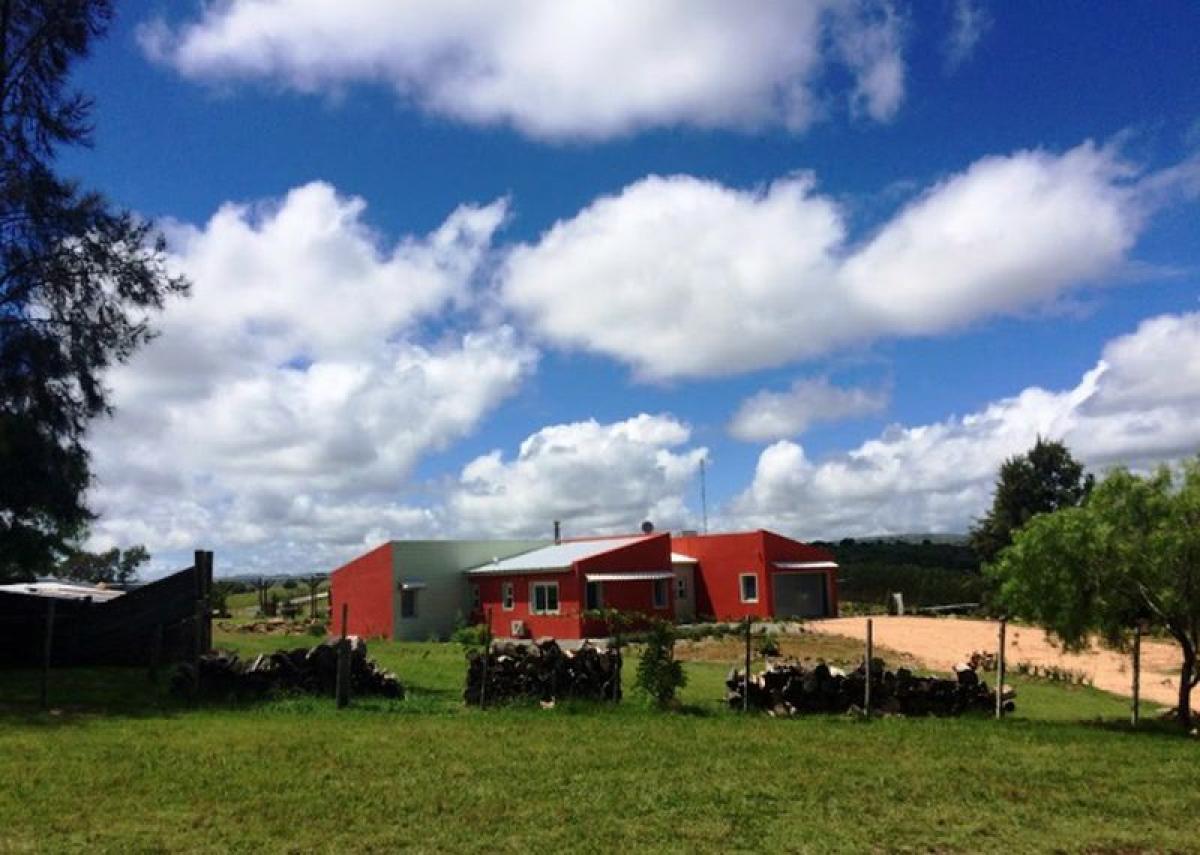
246	603
126	768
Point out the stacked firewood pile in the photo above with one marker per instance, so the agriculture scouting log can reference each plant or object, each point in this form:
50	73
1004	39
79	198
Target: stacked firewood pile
789	688
543	672
307	670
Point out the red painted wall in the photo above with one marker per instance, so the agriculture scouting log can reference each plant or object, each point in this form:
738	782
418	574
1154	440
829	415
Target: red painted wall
366	585
652	553
779	548
563	625
724	557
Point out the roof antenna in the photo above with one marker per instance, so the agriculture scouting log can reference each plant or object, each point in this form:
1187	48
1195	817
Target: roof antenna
703	494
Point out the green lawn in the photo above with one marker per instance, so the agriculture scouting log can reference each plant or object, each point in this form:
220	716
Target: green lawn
246	603
125	768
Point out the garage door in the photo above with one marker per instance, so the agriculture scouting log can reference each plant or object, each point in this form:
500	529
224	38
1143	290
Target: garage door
800	595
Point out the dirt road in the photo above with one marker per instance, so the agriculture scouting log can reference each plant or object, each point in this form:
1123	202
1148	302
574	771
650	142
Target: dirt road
941	642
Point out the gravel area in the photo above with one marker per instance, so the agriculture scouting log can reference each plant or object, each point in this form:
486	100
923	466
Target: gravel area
942	642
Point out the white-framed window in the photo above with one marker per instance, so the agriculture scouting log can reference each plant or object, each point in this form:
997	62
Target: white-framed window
748	583
408	603
681	587
593	596
508	600
543	598
660	593
476	597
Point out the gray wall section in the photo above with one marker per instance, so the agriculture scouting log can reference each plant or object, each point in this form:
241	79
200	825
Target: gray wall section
685	609
441	566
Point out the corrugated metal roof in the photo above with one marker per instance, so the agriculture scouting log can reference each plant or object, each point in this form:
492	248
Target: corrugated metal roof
61	591
560	556
805	565
630	576
680	558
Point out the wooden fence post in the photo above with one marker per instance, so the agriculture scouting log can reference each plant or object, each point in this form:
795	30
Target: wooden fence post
47	651
487	651
1000	671
1135	715
208	587
746	681
342	685
870	653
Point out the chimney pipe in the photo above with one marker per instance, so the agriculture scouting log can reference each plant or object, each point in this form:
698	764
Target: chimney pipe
557	532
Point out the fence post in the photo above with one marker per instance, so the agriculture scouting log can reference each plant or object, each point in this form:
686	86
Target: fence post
1135	715
47	650
487	650
342	686
867	668
1000	672
208	586
746	680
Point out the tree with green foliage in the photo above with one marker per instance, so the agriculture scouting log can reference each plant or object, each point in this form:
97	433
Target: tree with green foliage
659	674
112	567
1041	481
1129	555
78	281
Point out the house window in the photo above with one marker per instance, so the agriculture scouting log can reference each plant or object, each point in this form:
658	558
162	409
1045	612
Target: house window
543	599
749	585
593	596
506	595
476	598
681	587
660	593
408	604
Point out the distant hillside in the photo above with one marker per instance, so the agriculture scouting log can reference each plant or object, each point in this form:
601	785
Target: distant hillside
929	569
951	553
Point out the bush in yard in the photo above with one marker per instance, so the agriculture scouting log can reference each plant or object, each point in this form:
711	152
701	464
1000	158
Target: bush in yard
659	674
477	637
768	645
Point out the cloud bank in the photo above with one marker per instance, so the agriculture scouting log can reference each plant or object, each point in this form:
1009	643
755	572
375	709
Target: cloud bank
1138	406
757	278
288	400
767	415
562	69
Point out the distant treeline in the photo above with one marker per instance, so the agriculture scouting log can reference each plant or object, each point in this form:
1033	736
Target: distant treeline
925	553
927	573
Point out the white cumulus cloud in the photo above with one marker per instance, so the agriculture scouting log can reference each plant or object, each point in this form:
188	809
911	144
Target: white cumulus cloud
768	415
287	400
595	478
560	68
938	477
684	277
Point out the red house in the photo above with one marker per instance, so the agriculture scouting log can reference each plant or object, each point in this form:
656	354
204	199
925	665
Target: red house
760	573
546	592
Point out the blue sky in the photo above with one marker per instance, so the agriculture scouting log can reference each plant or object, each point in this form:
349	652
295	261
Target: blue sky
809	188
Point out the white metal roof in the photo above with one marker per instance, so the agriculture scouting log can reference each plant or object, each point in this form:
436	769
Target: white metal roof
630	576
805	565
680	558
558	557
63	591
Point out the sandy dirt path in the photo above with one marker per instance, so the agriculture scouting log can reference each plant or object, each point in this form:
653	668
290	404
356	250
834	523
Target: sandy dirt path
942	642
